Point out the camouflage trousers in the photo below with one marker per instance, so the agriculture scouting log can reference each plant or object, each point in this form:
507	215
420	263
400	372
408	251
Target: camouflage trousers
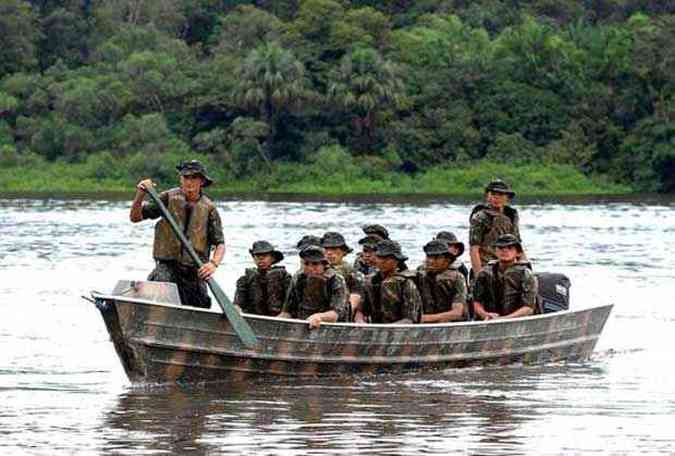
191	289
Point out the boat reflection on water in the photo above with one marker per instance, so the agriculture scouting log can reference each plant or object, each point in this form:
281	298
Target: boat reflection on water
468	410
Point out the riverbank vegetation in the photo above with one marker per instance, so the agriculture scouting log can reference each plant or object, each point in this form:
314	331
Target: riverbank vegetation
336	96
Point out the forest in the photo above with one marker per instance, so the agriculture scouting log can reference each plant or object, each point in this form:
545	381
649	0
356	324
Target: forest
367	94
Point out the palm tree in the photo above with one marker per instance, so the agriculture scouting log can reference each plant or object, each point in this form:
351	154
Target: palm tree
271	82
365	84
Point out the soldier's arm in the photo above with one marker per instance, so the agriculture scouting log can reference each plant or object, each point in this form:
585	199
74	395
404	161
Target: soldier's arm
241	294
216	237
356	293
477	230
338	300
412	304
140	211
480	296
476	265
290	302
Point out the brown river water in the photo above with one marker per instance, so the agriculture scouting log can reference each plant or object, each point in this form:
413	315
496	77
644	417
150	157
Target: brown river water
63	390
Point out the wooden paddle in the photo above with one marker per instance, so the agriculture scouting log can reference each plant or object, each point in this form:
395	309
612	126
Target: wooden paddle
240	326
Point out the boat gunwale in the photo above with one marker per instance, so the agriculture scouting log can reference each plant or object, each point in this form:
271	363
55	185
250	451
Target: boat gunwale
453	324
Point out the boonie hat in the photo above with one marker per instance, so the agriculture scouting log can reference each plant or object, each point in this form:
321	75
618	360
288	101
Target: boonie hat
389	248
334	239
370	241
437	247
264	247
451	239
308	239
314	253
376	229
507	240
499	186
194	167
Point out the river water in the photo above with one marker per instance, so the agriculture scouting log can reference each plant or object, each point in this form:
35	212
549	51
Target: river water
63	390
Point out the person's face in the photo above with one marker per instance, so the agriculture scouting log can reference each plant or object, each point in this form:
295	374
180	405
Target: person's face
313	267
497	200
507	254
438	263
386	265
368	256
454	250
263	261
191	184
334	254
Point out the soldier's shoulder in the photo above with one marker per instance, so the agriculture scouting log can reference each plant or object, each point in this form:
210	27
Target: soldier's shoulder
450	275
480	214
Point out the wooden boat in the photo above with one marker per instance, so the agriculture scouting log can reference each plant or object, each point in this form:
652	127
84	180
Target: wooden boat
159	340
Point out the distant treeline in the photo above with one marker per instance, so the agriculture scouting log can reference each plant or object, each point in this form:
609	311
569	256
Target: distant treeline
392	86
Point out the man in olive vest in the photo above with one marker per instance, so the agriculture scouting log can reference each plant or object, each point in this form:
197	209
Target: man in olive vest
391	293
489	221
456	249
336	249
198	217
318	293
365	260
443	290
505	288
262	290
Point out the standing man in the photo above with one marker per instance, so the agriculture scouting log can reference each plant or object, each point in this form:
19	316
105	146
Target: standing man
391	293
489	221
198	217
505	288
443	290
262	290
318	293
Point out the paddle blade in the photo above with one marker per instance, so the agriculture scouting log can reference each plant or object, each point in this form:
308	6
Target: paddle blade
240	326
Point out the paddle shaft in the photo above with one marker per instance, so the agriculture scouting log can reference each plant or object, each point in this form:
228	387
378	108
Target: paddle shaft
240	326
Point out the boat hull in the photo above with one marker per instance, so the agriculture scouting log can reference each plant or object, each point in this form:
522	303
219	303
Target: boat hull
163	342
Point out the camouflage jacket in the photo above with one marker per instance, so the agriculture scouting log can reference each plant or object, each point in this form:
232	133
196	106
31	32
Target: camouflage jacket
199	221
504	292
354	279
363	267
311	294
439	291
392	299
262	292
486	225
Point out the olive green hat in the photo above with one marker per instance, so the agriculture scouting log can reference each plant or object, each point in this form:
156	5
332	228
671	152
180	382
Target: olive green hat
334	239
376	229
264	247
451	239
507	240
499	186
370	241
389	248
314	253
192	168
437	247
307	240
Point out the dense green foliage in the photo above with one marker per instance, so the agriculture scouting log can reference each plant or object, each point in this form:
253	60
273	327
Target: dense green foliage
360	96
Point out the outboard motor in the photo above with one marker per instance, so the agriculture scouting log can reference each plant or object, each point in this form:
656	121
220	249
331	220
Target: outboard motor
554	292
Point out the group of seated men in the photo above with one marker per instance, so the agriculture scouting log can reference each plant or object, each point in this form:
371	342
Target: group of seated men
380	288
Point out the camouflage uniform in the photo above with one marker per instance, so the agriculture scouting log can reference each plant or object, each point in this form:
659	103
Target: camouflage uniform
310	294
504	292
392	299
202	226
486	225
439	291
354	279
262	292
368	242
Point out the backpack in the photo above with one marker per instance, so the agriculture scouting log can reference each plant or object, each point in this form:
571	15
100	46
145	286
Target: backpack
554	292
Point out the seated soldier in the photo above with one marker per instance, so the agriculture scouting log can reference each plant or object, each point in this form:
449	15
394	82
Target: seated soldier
456	249
365	260
391	293
443	290
306	240
262	290
336	248
505	288
318	293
